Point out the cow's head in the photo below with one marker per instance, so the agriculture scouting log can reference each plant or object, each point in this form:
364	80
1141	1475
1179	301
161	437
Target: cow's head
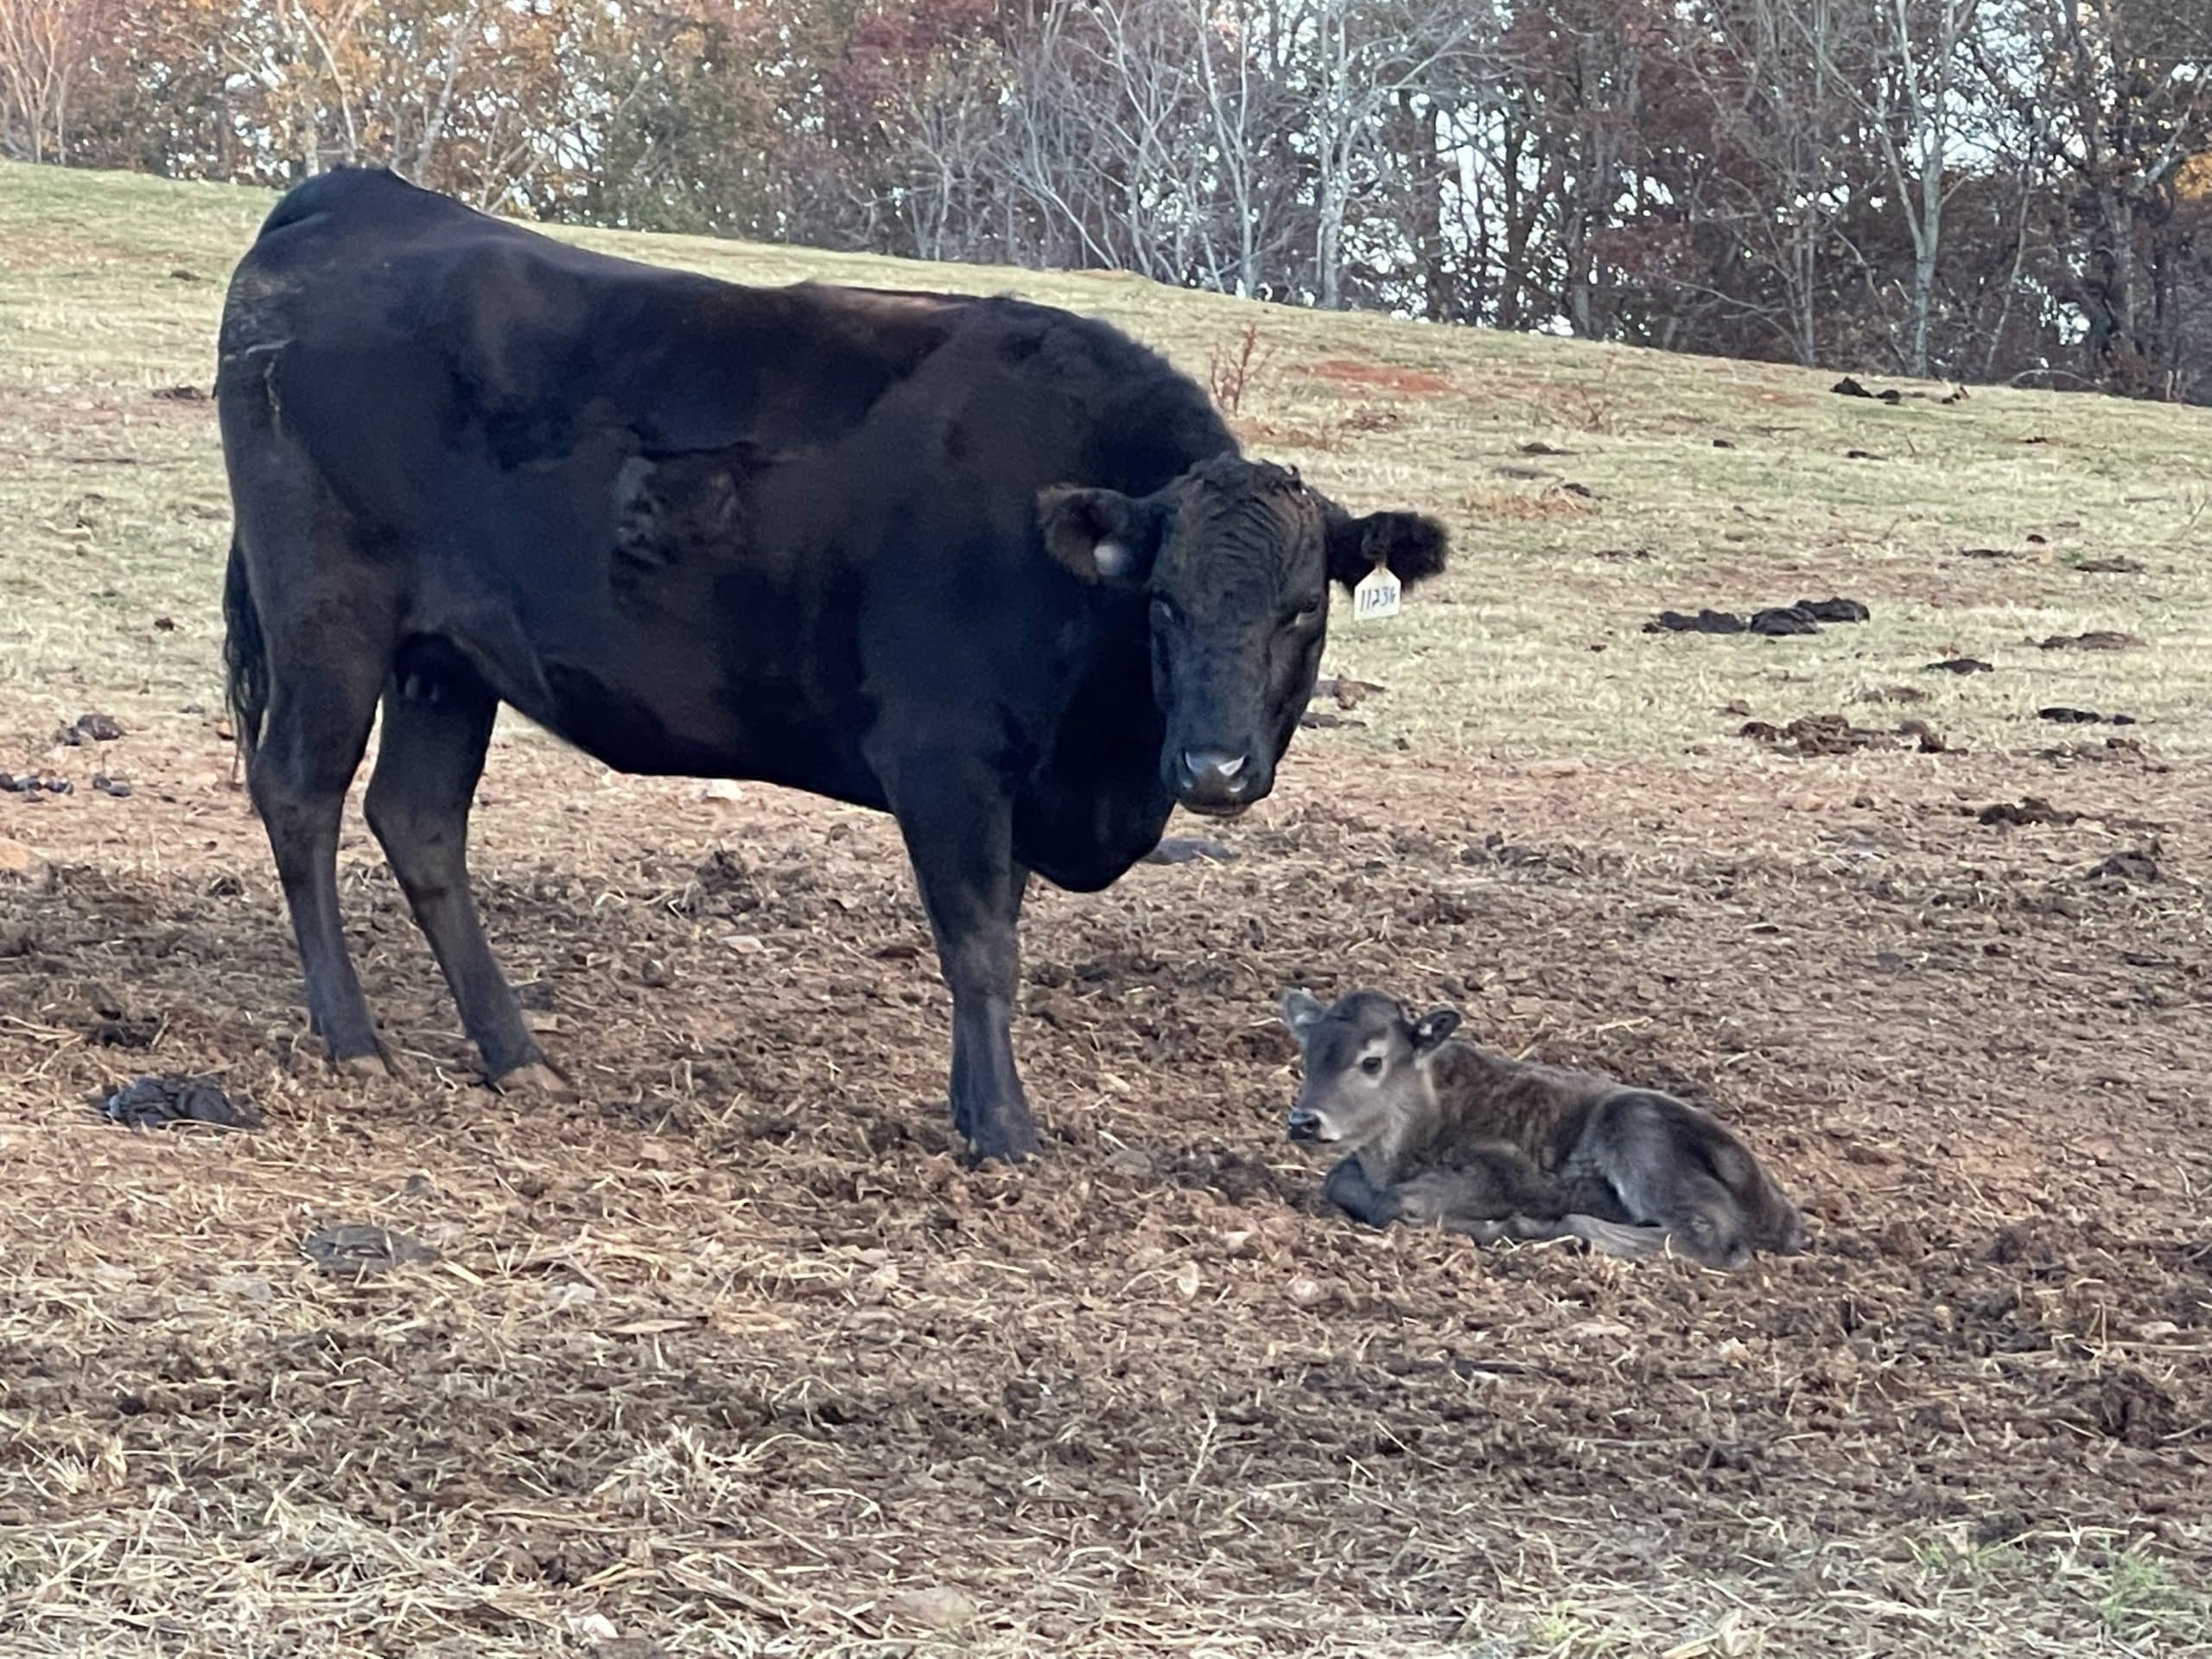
1236	558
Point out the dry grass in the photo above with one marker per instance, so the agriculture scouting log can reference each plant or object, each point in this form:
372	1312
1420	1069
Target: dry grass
731	1357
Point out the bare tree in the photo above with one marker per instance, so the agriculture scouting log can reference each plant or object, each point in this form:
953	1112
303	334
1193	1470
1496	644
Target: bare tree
1912	108
45	48
1777	176
1361	59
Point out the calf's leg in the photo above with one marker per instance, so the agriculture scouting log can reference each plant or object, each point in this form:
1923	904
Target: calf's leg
1348	1188
436	728
1606	1237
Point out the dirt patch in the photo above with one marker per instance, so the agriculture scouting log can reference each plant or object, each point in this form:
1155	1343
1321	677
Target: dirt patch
741	1296
1352	372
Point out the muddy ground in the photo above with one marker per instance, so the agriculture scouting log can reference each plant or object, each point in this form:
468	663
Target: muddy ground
734	1353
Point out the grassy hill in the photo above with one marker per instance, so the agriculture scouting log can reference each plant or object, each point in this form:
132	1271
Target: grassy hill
1588	487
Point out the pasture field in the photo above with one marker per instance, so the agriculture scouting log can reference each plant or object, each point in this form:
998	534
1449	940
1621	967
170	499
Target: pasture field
733	1357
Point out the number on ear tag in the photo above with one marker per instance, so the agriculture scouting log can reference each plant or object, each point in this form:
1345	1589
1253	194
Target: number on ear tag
1377	596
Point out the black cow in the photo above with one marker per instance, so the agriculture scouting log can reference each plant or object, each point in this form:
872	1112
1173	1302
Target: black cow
986	565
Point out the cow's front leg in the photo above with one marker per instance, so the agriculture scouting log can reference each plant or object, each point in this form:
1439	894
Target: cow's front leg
958	822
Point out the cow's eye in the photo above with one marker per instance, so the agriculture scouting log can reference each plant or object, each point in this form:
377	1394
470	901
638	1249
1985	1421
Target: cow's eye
1306	612
1372	1065
1164	612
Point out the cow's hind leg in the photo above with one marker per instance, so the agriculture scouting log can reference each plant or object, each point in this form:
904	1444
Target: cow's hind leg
311	741
437	724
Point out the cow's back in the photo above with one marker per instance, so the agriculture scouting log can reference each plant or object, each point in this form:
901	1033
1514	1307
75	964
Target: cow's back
699	527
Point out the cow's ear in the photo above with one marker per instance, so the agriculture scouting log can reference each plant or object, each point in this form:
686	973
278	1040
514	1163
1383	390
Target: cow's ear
1412	544
1433	1028
1101	535
1301	1012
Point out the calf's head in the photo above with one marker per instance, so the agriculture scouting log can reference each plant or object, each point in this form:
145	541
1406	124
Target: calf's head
1366	1065
1236	558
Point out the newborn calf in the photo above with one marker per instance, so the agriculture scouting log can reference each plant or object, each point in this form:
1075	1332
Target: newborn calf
1443	1132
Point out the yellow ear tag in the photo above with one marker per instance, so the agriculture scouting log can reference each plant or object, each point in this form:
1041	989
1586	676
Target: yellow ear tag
1377	596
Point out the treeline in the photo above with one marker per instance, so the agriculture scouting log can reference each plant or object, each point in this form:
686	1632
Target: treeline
1975	189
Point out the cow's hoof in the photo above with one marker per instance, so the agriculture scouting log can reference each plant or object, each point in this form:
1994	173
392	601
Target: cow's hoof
1008	1143
536	1079
361	1065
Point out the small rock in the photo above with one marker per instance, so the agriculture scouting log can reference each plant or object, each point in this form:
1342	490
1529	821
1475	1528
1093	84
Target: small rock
1348	692
939	1607
1849	387
1305	1292
353	1248
1132	1163
2110	566
1184	850
18	860
2029	810
92	728
1558	768
156	1102
1961	665
1596	1331
2136	865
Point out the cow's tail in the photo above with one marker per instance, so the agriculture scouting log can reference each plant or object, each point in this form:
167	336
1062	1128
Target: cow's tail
245	657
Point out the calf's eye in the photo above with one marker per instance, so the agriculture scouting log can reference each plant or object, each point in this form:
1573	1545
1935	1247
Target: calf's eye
1372	1065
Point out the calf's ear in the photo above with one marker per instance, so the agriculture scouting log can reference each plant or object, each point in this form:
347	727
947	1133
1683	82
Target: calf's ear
1433	1028
1412	544
1102	535
1301	1012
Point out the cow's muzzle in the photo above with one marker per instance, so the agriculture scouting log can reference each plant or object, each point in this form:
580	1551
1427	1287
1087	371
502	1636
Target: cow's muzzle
1218	781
